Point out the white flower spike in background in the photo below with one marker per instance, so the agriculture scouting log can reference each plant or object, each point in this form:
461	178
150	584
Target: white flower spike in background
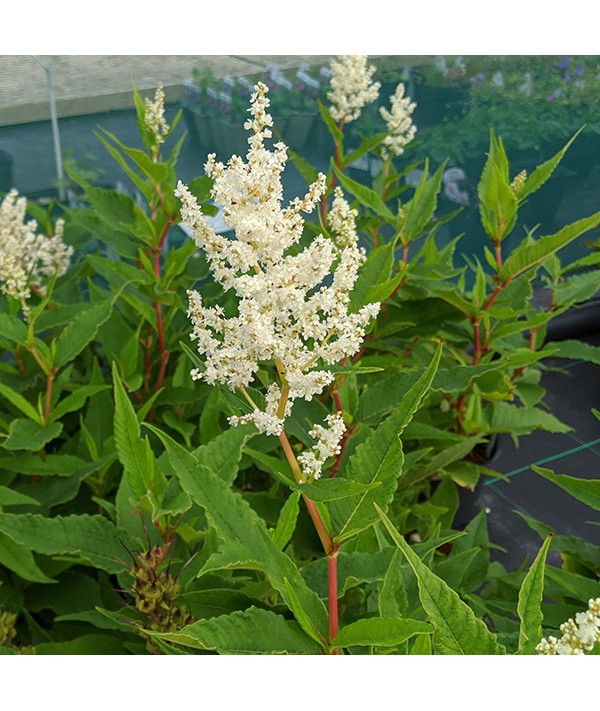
399	123
28	260
352	87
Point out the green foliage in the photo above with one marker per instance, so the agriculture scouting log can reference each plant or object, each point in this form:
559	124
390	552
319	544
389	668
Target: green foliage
134	519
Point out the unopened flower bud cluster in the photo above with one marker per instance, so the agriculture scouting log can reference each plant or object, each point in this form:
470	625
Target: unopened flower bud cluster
154	117
28	260
579	635
352	87
293	304
401	129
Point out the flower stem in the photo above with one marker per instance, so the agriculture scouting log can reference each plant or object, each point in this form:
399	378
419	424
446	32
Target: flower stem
332	589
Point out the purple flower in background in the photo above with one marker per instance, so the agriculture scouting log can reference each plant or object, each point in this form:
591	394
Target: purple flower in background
566	77
579	71
563	62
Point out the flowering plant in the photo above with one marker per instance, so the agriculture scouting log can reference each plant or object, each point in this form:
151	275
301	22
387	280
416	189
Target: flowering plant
257	442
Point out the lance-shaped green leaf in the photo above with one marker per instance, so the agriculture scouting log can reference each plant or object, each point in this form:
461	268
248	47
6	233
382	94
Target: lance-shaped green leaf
75	400
505	417
253	631
286	523
145	479
20	403
93	538
367	197
17	557
529	606
576	350
50	465
378	459
497	202
457	630
236	522
392	599
376	270
302	618
541	174
584	490
380	632
530	254
81	331
420	209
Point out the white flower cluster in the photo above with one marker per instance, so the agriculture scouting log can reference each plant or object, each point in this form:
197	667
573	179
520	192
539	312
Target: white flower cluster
328	444
286	312
401	129
352	87
342	221
579	635
154	117
27	259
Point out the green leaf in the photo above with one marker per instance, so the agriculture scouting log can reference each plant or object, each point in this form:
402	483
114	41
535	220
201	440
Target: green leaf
442	459
541	174
17	557
529	606
379	459
380	632
286	523
497	202
392	599
576	350
330	123
29	435
75	400
301	617
20	403
81	331
134	453
8	497
584	490
93	538
456	628
235	520
253	631
576	288
504	417
223	453
421	207
367	197
12	328
529	254
375	271
63	465
335	489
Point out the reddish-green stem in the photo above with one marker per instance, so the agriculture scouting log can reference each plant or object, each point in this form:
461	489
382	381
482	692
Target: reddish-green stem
498	254
48	401
332	589
331	549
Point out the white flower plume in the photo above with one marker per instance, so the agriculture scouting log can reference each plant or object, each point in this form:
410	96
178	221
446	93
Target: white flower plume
28	260
352	87
401	129
293	305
